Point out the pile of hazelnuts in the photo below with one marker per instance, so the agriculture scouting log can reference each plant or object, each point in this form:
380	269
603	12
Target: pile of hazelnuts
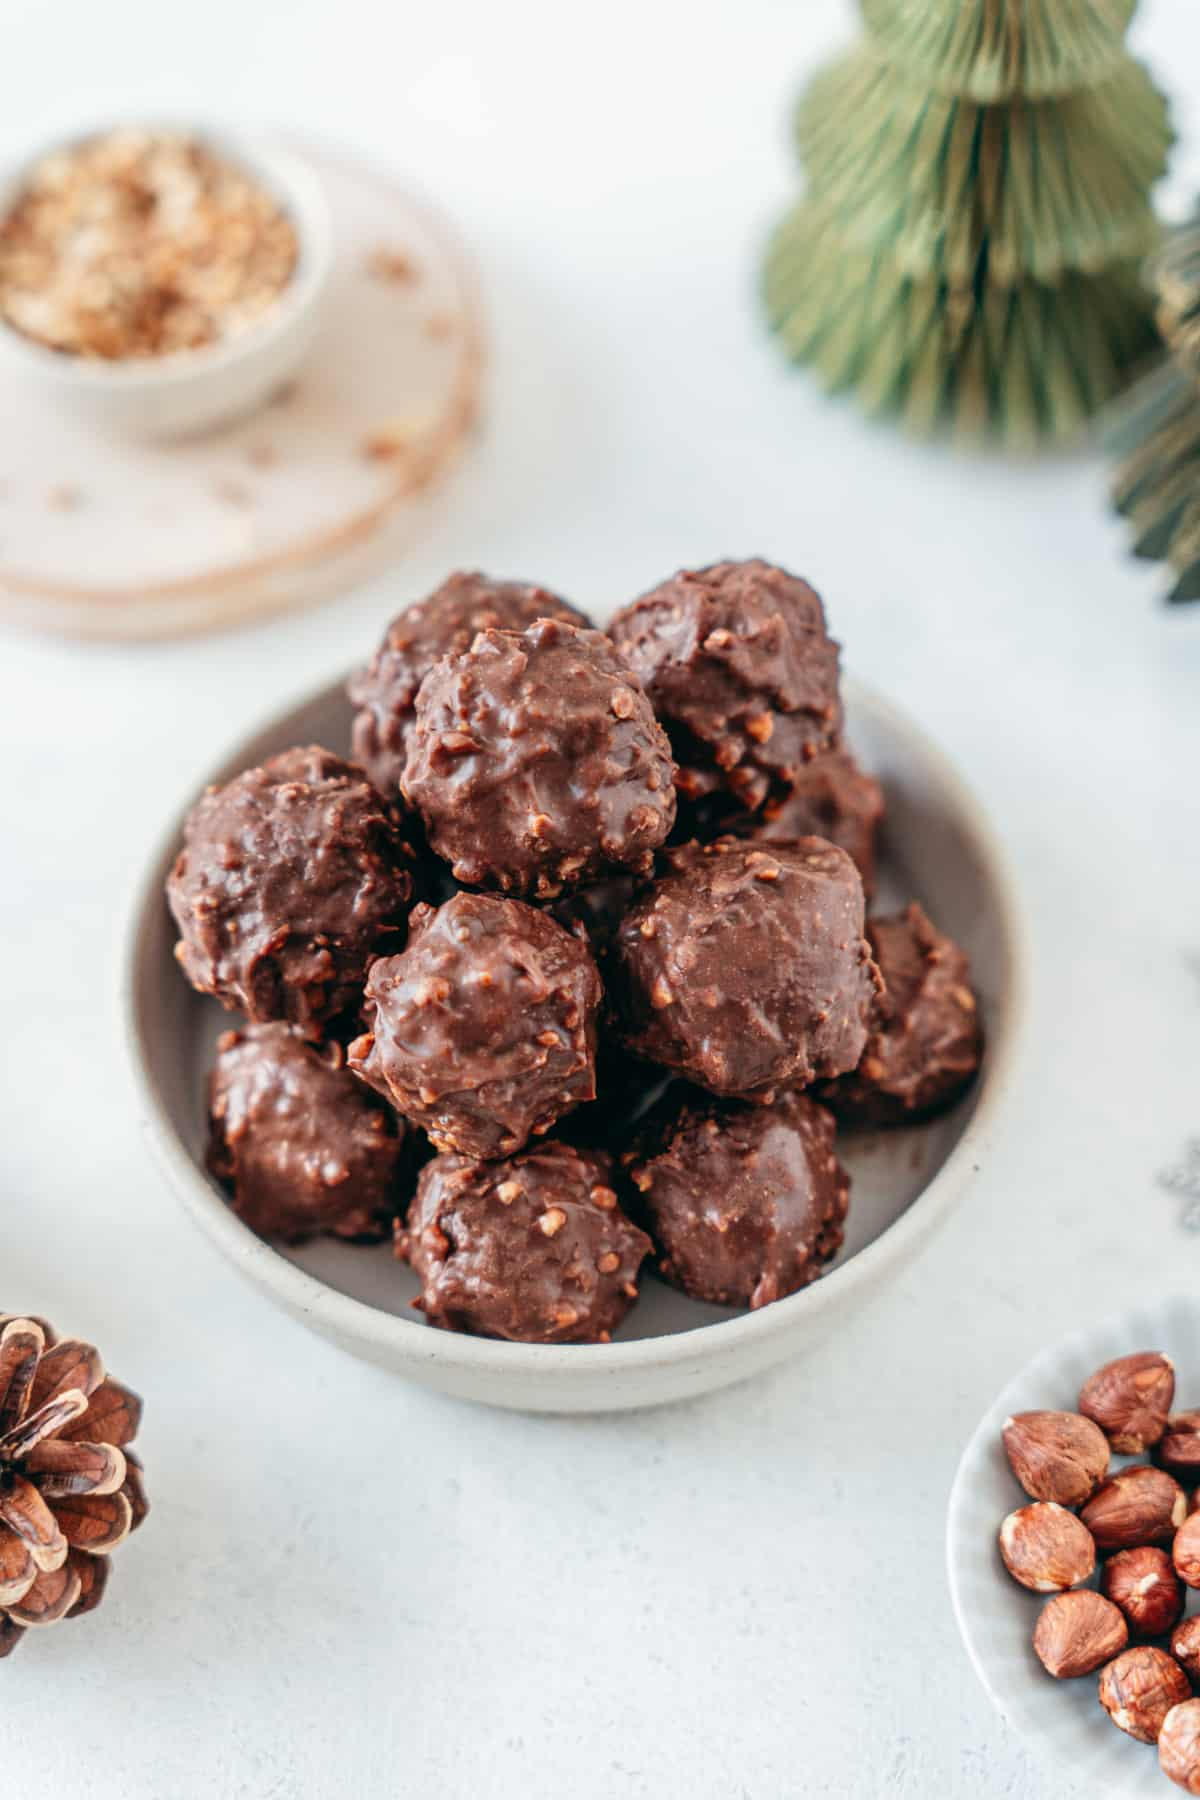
1142	1527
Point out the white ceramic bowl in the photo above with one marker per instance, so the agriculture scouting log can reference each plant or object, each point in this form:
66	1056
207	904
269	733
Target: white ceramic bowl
995	1616
195	390
936	846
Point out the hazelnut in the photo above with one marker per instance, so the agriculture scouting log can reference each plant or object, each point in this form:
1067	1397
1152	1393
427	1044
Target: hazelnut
1179	1446
1139	1688
1134	1507
1129	1399
1144	1585
1056	1455
1185	1552
1179	1746
1185	1645
1077	1632
1046	1548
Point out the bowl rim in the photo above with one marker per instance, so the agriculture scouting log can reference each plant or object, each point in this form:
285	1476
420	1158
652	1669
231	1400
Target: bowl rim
287	177
357	1320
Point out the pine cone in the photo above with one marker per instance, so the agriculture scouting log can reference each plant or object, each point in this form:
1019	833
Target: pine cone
70	1491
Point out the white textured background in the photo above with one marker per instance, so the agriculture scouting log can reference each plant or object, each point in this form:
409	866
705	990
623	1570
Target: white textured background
352	1588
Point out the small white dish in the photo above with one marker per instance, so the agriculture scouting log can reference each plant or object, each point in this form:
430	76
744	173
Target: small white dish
194	390
937	846
995	1616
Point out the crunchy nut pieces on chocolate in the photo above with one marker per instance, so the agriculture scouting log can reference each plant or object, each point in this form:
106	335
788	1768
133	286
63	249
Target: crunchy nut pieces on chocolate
1046	1548
1056	1455
1077	1633
1136	1506
525	776
444	623
483	1030
1185	1551
1143	1583
140	244
292	877
1185	1645
549	1264
1139	1688
300	1145
1130	1399
1179	1746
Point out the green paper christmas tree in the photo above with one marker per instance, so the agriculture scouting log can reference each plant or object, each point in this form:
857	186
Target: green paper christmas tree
1158	435
977	204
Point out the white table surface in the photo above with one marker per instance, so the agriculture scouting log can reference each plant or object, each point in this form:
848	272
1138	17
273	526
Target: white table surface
351	1587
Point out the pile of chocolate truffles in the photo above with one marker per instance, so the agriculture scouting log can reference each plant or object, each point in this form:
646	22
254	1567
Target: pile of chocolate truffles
1140	1525
569	967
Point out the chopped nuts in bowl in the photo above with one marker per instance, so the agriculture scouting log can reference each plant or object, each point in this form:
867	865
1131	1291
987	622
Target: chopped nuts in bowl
1073	1573
161	280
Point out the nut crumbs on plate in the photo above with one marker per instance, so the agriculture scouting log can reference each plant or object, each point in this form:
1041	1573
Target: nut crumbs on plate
140	244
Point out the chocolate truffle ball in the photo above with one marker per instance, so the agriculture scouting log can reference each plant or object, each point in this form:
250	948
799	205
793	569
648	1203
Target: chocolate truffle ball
291	877
740	669
535	1248
926	1041
832	798
745	968
386	690
484	1029
745	1203
537	764
300	1144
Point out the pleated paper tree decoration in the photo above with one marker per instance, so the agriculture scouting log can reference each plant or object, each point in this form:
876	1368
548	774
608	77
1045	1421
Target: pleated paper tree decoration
978	202
1157	435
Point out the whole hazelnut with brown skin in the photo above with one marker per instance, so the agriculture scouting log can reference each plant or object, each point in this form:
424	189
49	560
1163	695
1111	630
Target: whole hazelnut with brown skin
1139	1688
1134	1507
1078	1632
1185	1645
1129	1399
1179	1446
1046	1548
1179	1746
1144	1585
1185	1551
1056	1455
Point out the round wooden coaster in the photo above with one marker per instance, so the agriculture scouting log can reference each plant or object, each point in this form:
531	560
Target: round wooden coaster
314	493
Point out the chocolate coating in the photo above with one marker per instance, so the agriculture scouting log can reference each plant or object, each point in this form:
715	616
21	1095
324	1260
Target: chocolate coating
745	1203
926	1042
299	1143
484	1029
445	623
832	798
534	1249
537	764
290	878
745	967
740	669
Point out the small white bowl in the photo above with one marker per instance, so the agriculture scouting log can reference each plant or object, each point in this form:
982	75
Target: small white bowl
937	846
995	1616
195	390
